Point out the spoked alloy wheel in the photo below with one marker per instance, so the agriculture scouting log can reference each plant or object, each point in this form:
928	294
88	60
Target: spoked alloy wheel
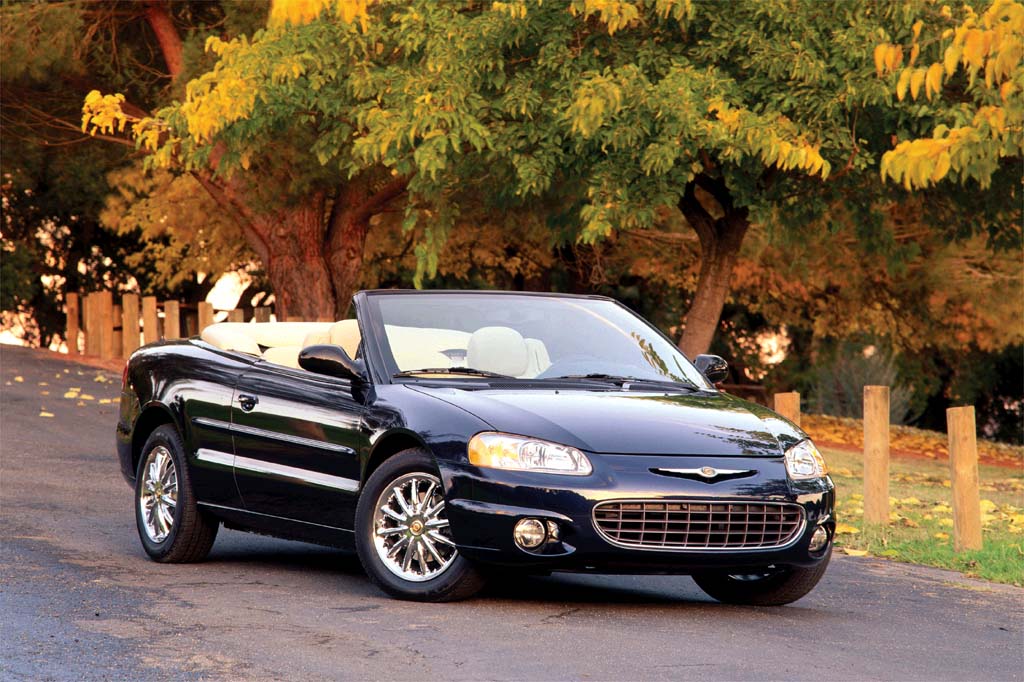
411	532
403	534
172	527
158	494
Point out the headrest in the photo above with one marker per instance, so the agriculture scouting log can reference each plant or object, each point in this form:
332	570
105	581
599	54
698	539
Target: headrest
316	338
345	334
228	338
498	349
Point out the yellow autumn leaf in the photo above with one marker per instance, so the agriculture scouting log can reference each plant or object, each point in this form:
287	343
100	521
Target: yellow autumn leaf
880	53
105	401
19	379
916	81
951	58
86	396
847	529
44	413
933	80
915	50
909	501
893	57
987	506
916	29
946	523
70	395
941	536
942	165
855	552
903	83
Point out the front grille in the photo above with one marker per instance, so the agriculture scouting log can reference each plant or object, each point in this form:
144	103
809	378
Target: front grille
699	525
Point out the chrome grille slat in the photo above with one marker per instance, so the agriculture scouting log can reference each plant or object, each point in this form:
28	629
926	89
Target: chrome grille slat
699	524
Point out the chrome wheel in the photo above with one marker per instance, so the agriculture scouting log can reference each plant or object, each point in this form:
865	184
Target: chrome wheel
410	528
158	495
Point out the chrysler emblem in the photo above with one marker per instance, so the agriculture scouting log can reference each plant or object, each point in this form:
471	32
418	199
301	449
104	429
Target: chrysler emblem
708	472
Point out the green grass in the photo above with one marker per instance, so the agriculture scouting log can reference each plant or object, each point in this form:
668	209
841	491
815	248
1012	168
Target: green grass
920	526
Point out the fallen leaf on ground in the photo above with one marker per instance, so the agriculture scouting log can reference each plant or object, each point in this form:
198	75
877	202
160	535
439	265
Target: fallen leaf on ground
846	528
946	523
19	379
43	383
106	401
44	413
941	536
855	552
70	395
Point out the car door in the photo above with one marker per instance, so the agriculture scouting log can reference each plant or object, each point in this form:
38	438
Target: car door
298	437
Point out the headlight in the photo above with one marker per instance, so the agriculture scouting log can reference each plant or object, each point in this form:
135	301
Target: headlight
504	451
803	462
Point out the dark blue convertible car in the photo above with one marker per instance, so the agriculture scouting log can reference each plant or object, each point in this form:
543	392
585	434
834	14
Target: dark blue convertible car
446	436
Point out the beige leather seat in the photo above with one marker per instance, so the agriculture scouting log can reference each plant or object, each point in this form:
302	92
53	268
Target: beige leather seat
283	355
502	350
229	338
539	359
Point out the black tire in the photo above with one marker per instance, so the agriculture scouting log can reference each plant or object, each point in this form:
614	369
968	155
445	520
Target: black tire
460	580
192	530
782	587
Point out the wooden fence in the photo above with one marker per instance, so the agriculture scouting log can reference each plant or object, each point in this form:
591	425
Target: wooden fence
963	462
98	326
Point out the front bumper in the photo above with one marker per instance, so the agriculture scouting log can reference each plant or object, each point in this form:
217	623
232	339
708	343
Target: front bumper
485	504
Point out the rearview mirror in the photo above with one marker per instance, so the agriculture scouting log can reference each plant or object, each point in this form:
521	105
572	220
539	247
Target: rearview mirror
714	368
332	361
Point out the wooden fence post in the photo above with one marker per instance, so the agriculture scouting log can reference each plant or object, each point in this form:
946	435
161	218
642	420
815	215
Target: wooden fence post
92	339
150	320
236	315
172	320
963	474
129	324
205	315
105	318
261	314
71	335
876	454
788	405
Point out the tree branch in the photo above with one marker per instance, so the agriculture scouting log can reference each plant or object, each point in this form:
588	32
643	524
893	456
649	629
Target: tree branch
158	15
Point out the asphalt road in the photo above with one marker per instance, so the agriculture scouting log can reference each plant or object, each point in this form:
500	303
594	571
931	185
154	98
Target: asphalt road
79	599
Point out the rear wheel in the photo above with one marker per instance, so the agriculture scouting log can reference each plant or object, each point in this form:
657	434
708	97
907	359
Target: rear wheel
403	537
172	528
771	587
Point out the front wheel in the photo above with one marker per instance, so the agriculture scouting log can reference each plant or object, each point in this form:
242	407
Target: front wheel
402	533
773	587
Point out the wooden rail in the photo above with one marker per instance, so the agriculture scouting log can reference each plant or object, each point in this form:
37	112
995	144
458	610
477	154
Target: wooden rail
98	326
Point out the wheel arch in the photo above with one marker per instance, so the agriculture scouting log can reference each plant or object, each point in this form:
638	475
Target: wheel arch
390	444
152	417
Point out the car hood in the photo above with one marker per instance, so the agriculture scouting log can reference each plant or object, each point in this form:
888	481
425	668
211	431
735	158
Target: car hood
625	422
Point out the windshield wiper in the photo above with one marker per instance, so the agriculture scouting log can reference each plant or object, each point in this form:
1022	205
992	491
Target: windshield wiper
597	376
465	371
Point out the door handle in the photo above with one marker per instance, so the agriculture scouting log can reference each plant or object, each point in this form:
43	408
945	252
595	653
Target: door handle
248	402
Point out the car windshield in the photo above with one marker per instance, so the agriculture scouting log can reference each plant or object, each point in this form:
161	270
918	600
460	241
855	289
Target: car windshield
474	335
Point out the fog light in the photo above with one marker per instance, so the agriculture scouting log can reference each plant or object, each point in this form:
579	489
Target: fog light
819	539
530	533
552	531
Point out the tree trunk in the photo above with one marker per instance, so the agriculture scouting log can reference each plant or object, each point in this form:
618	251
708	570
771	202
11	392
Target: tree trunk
354	205
720	241
295	262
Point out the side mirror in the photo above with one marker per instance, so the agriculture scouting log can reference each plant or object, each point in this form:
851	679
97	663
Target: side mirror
714	368
332	361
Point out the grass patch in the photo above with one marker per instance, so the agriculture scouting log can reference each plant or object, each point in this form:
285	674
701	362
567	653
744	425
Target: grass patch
920	526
